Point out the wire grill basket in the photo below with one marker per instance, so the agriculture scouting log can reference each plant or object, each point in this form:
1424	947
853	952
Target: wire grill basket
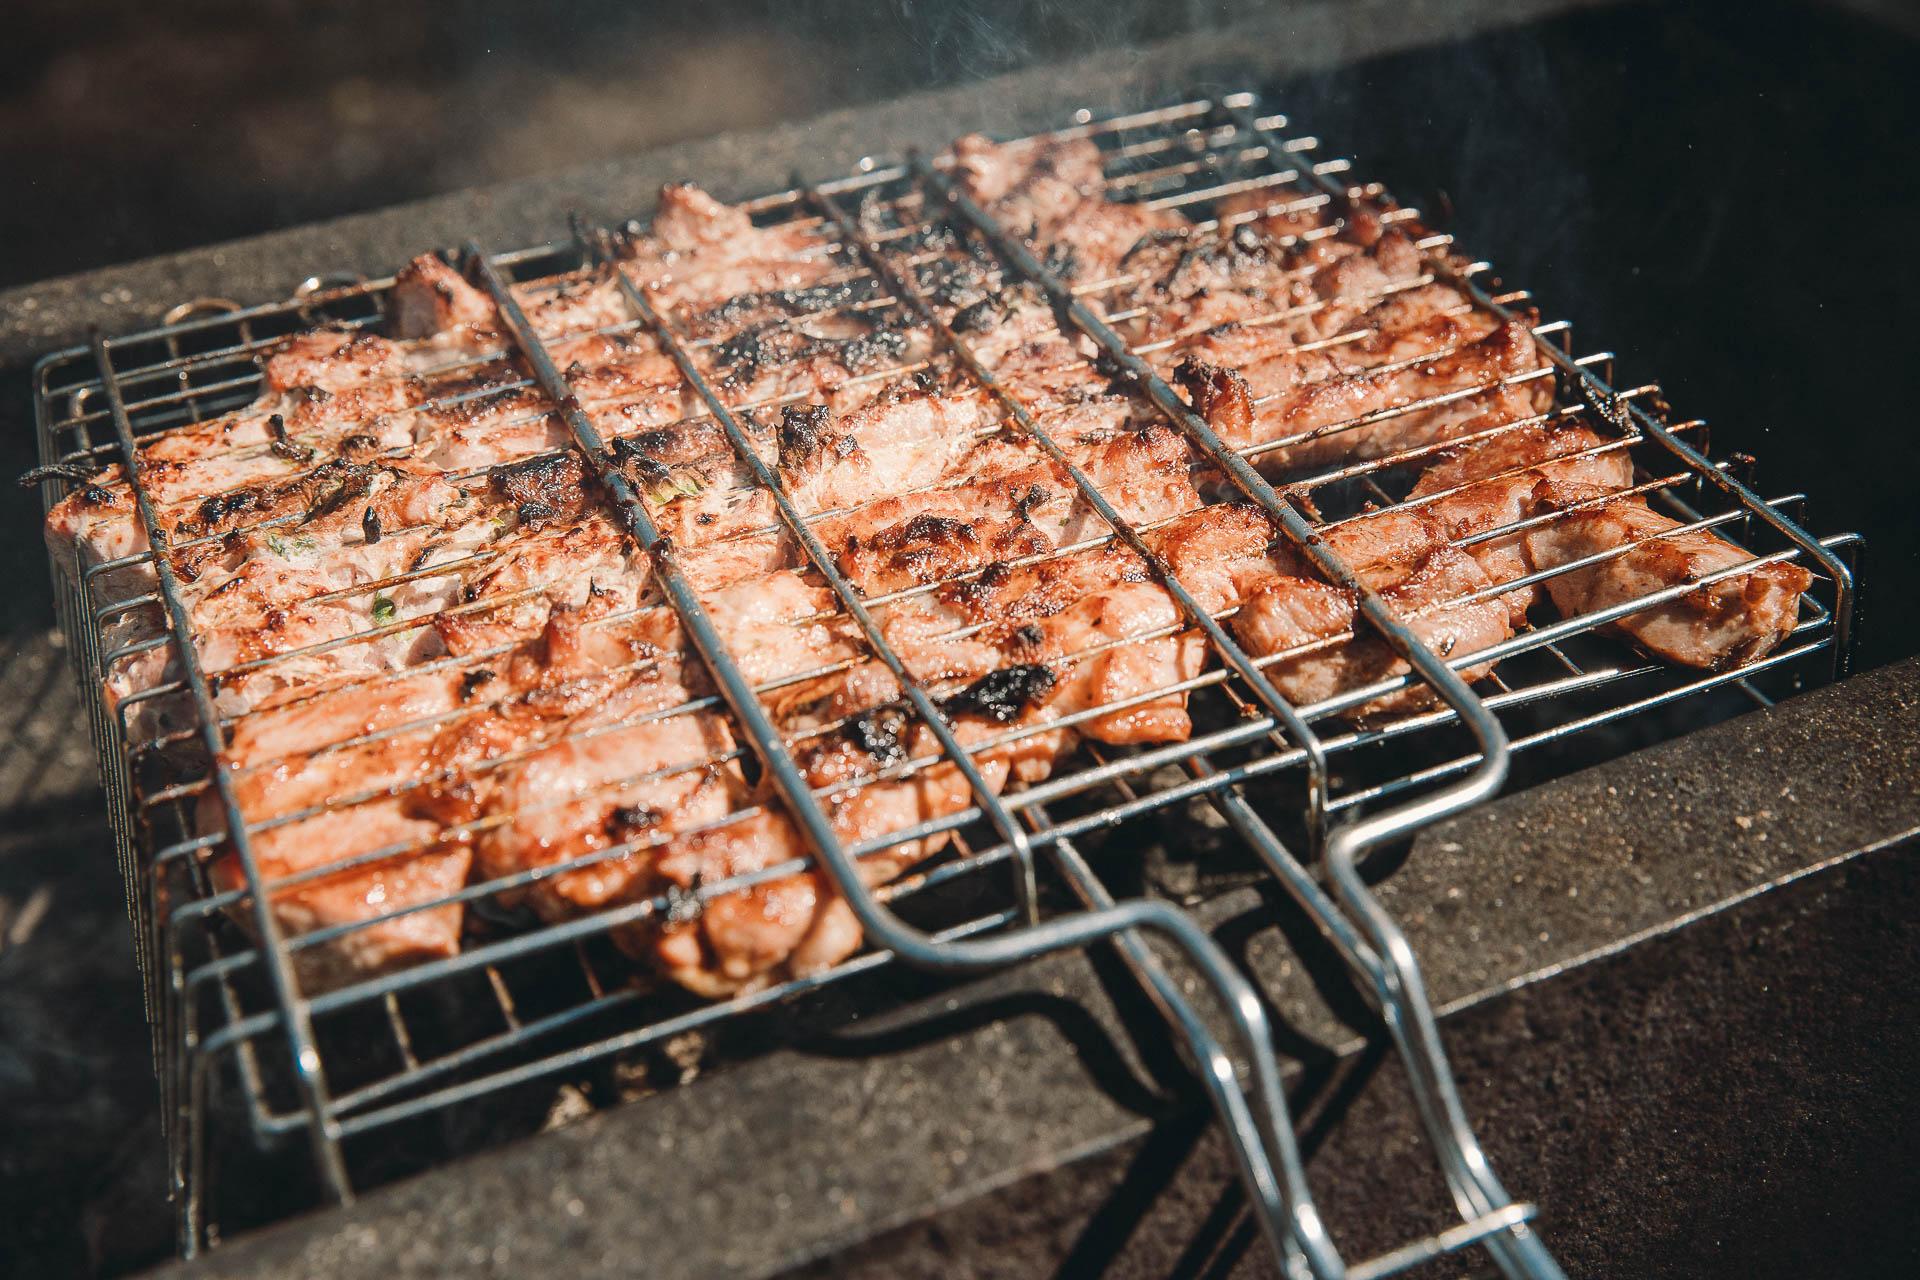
1297	783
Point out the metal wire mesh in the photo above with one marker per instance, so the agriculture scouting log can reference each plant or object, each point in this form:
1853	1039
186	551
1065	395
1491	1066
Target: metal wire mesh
521	1001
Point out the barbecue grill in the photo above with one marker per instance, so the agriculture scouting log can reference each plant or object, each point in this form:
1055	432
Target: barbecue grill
1032	871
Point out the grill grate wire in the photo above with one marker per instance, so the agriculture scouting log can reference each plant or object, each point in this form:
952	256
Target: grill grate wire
207	1000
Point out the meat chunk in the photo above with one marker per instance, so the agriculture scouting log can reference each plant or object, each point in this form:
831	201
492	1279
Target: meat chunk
1493	485
1734	620
1228	557
1055	189
700	251
1367	413
400	768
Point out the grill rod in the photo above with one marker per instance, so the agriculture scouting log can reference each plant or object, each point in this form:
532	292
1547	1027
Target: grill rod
309	1073
1404	1003
1302	1239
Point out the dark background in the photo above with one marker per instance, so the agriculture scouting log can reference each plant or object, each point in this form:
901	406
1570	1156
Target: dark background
134	128
1722	194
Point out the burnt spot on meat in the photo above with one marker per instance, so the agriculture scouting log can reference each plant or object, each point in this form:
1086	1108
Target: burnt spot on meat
1154	239
747	350
1119	379
978	592
924	238
472	680
333	485
543	489
775	343
534	516
881	733
354	447
805	435
981	316
792	302
1219	394
1029	636
1025	503
1000	696
926	546
300	454
954	282
221	508
881	345
1062	261
1208	260
928	527
370	525
632	455
624	821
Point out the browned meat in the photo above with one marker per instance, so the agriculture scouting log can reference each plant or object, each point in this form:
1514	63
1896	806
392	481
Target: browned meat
1016	503
700	252
1737	619
405	767
1227	557
1492	484
1369	413
812	354
462	420
1054	191
331	582
1066	621
445	659
1310	290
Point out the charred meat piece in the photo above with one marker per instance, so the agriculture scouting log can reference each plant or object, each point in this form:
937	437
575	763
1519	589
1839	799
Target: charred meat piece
1054	191
1492	485
1367	412
1736	619
1228	557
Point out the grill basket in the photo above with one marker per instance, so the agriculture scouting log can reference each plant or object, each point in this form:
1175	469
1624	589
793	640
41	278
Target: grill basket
1024	874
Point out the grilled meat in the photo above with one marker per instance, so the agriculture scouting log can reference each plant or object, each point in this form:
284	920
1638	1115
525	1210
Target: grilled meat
1736	619
1370	412
1054	192
445	661
1491	485
1229	558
